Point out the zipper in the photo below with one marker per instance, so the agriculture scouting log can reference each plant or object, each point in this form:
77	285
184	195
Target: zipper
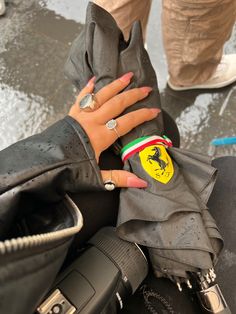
22	243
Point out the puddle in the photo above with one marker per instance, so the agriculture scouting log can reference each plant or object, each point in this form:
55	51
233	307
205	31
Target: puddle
33	49
68	9
21	115
195	118
210	116
50	21
11	27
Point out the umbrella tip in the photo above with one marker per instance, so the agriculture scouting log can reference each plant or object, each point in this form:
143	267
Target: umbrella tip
179	286
189	284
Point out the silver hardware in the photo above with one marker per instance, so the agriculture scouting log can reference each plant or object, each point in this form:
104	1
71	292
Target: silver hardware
176	280
110	184
212	274
119	300
88	103
179	286
207	278
111	125
212	299
56	303
19	244
189	284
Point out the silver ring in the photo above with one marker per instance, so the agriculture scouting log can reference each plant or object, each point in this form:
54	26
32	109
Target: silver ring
111	125
110	184
89	103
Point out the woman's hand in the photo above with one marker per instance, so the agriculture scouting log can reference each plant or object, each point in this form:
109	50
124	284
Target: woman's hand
111	105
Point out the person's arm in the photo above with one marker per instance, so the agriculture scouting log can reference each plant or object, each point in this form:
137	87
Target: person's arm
64	149
36	220
64	158
42	168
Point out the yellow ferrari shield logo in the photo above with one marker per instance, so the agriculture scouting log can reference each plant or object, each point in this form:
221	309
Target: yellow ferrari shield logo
157	163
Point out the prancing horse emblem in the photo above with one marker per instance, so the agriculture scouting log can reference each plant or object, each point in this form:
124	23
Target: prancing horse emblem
156	157
157	163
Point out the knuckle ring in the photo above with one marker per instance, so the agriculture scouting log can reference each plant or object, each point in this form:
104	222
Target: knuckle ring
89	103
111	125
110	184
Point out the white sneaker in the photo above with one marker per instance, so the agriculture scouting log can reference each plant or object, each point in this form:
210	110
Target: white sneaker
224	75
2	7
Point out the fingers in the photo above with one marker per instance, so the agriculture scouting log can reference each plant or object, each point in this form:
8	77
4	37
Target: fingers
124	179
101	134
130	120
112	89
107	91
86	90
116	105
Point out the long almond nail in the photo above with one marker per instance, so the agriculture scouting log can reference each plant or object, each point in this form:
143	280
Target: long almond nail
146	89
91	81
155	111
133	182
126	77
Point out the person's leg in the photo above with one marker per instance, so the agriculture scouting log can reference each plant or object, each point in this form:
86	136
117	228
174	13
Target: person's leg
194	33
125	12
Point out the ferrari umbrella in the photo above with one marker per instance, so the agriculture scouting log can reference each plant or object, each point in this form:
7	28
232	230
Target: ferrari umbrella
170	216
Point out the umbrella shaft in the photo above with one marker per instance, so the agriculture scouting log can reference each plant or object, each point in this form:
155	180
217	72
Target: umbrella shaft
212	300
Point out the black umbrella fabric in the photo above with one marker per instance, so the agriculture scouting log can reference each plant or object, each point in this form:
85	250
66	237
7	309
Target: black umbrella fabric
170	216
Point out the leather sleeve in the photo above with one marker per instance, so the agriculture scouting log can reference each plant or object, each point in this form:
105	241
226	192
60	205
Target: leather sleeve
42	168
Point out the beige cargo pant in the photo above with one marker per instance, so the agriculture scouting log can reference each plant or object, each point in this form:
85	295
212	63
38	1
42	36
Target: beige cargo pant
194	32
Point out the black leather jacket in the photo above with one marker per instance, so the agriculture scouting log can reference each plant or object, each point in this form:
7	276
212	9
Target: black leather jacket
35	175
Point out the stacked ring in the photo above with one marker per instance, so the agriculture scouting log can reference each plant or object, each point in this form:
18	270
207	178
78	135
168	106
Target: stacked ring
111	125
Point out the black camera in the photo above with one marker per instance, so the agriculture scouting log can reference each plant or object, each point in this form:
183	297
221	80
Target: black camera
106	274
100	279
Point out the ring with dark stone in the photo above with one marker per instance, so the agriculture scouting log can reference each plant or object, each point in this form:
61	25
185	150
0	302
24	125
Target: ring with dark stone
88	103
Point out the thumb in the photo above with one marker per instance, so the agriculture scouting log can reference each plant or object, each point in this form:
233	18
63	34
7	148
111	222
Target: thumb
123	179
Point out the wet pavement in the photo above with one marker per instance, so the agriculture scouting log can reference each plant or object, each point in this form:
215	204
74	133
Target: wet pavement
35	37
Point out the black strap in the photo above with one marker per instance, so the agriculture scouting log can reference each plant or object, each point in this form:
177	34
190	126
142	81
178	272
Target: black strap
149	293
